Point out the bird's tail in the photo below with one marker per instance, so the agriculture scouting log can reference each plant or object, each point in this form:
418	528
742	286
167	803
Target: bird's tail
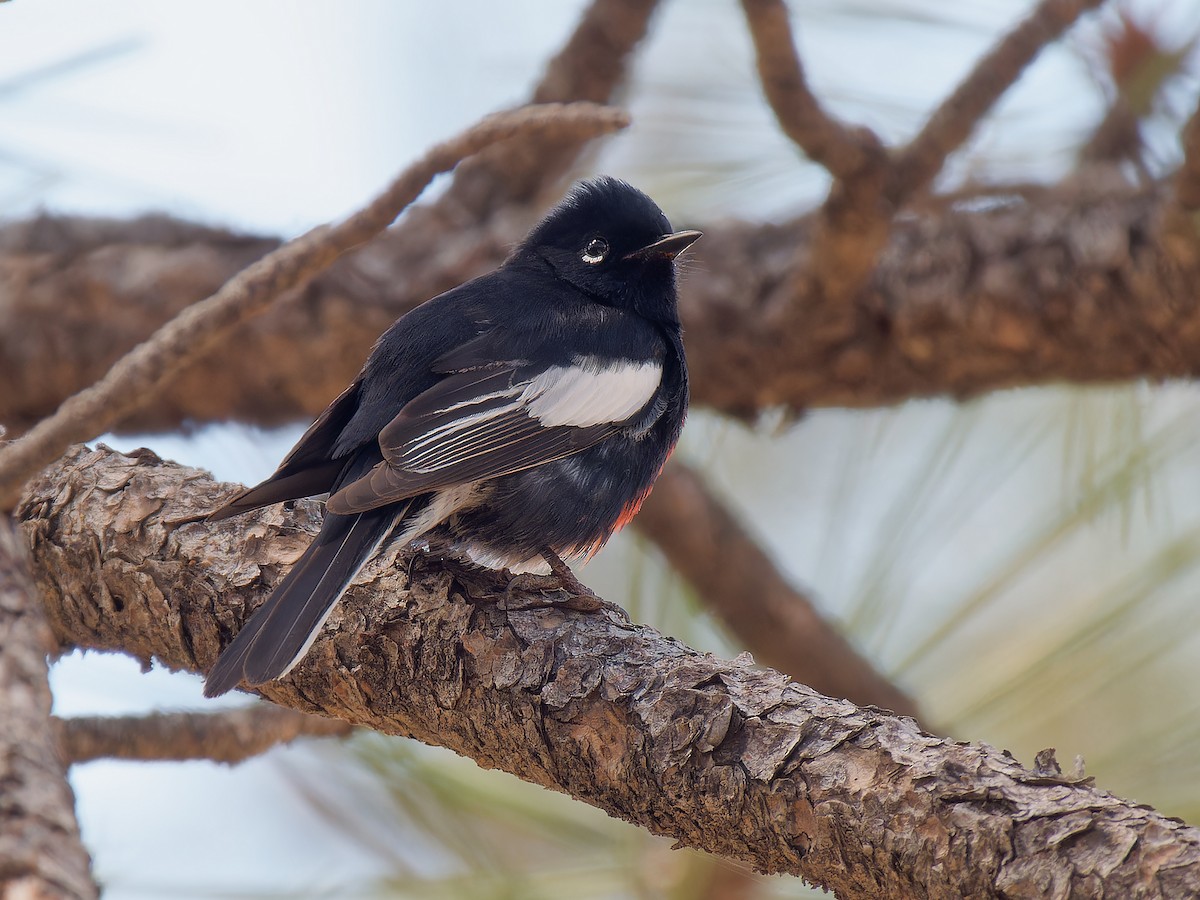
282	630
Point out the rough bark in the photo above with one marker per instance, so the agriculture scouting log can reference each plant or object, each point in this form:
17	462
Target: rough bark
719	755
41	855
1069	285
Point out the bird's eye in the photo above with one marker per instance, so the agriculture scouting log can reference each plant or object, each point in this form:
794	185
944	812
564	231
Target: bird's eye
595	251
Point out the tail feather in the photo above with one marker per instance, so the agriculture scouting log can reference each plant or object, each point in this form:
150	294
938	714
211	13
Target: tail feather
280	632
305	483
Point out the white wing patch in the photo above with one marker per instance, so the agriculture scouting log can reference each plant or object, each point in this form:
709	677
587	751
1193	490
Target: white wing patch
592	391
504	429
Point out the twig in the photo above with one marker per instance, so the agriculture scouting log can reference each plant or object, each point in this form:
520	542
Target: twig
1178	225
41	854
954	121
742	586
844	151
228	736
134	378
718	755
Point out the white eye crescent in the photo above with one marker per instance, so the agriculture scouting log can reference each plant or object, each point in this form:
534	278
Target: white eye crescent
595	251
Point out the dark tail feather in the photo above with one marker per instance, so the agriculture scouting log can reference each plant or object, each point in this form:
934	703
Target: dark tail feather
313	466
306	483
280	632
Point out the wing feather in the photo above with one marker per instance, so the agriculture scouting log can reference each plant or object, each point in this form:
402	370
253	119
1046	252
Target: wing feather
489	422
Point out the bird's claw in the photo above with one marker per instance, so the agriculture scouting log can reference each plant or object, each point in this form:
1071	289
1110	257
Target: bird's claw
578	597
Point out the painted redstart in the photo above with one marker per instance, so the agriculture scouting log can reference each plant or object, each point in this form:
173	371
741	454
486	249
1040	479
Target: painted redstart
522	418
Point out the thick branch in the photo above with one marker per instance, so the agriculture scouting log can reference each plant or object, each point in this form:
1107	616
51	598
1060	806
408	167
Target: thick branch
228	736
136	376
954	121
41	854
742	587
718	755
1063	286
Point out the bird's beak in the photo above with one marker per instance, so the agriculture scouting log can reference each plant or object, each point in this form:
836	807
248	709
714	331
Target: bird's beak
670	246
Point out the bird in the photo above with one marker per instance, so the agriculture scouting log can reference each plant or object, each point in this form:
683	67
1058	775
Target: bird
521	418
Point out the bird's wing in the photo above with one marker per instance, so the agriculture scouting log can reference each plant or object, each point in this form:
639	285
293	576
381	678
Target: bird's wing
492	421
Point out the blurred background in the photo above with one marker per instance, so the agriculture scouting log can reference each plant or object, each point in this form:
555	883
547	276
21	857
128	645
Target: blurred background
1025	565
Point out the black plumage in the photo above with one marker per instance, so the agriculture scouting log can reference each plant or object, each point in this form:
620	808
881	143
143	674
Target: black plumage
522	417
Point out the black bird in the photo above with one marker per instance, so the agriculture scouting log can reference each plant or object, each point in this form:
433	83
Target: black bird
521	418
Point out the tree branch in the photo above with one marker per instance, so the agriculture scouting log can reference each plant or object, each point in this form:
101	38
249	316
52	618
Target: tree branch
743	588
41	854
844	151
718	755
854	222
229	736
954	121
1065	285
1068	288
132	381
852	226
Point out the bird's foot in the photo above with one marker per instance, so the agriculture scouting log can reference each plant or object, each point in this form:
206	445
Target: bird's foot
561	580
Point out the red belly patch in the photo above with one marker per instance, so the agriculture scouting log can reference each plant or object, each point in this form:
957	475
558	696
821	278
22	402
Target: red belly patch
628	511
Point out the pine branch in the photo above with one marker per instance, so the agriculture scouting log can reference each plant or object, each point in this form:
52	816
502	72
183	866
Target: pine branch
962	302
852	225
719	755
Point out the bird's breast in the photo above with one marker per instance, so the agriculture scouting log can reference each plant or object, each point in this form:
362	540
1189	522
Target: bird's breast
572	505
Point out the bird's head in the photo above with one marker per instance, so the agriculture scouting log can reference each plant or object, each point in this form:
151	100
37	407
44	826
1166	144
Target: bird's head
611	241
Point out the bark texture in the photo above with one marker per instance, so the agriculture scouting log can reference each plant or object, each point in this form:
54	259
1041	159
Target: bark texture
1063	285
720	755
41	855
